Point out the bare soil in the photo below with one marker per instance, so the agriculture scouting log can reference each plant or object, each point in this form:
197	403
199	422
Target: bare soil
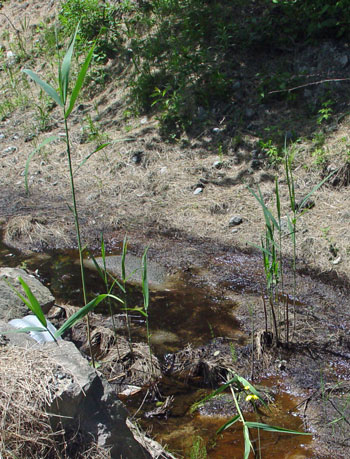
153	202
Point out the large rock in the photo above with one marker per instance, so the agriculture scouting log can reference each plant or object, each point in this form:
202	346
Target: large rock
83	400
86	400
11	307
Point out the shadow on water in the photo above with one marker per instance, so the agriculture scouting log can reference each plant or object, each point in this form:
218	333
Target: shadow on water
178	316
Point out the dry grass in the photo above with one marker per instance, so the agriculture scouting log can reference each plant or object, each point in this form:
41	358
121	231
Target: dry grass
115	195
120	362
27	386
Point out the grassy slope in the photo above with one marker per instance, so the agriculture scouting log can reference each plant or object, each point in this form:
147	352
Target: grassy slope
213	88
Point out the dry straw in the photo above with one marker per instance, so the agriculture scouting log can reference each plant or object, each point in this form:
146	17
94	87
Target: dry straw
28	382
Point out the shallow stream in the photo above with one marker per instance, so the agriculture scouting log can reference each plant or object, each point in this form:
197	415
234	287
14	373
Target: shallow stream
180	315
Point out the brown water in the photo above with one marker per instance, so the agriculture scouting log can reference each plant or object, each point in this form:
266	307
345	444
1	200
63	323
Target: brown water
189	315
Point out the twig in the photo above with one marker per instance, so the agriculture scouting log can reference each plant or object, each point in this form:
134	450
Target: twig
308	84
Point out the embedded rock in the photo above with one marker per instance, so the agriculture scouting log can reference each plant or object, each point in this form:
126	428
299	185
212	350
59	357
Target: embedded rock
86	400
235	220
11	307
157	275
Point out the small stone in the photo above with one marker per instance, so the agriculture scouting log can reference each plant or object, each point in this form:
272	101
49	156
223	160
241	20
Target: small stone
337	260
2	136
137	157
235	230
11	58
217	164
8	150
235	221
308	204
217	130
29	137
198	190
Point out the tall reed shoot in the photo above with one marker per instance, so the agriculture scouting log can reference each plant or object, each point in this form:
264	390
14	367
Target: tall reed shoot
271	253
61	98
124	280
272	247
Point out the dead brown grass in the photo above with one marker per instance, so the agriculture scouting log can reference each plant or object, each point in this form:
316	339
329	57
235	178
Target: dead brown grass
27	387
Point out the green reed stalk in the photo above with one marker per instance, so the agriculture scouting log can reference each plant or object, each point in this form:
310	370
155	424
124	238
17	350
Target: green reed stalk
145	292
292	225
271	250
109	288
124	281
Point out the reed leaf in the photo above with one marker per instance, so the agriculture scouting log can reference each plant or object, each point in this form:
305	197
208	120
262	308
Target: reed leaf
267	213
145	288
124	251
64	69
83	312
31	302
79	81
247	443
28	329
44	86
268	428
99	148
228	423
315	188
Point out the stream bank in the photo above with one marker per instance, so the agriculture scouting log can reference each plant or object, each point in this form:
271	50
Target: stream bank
214	304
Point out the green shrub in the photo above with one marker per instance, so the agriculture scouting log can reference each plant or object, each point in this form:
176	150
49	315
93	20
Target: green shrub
97	21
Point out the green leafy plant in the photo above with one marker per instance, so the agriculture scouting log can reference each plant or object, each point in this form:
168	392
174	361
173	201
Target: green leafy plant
325	113
239	387
106	276
97	23
271	151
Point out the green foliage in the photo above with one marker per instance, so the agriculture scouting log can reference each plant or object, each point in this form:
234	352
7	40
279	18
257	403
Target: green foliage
97	22
325	113
67	104
198	450
179	52
272	151
313	19
33	304
271	245
180	64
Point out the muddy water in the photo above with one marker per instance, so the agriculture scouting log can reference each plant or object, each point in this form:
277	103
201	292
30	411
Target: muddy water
178	316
